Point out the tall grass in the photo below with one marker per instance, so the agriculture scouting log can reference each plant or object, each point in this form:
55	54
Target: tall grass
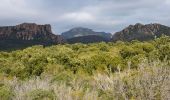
150	81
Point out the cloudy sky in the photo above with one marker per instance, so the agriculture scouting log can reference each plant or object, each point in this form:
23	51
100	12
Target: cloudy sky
100	15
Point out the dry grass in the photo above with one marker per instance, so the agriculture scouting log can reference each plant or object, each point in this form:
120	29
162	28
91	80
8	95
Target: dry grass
151	81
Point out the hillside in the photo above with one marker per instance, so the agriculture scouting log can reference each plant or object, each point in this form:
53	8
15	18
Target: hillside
80	31
141	32
87	39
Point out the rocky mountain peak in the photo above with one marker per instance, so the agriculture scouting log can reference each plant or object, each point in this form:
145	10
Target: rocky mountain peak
27	31
30	33
141	32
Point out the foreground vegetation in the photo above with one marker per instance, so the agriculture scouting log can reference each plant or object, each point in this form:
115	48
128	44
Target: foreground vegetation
100	71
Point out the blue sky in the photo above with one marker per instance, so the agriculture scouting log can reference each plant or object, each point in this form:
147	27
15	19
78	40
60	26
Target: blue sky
100	15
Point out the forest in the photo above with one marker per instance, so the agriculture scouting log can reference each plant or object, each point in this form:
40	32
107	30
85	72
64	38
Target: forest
96	71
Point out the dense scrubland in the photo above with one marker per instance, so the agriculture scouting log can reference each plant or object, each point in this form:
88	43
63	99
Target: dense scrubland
98	71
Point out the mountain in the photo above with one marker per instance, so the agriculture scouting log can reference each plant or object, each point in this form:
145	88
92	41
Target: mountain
141	32
27	34
87	39
80	31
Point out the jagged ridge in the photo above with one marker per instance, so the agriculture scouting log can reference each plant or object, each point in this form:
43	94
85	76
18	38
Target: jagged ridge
27	34
141	32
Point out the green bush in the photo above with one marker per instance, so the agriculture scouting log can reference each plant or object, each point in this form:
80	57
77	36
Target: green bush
64	77
164	51
102	57
5	92
40	95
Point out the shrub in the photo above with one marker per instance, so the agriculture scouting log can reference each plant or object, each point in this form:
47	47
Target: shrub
5	92
64	77
40	95
164	51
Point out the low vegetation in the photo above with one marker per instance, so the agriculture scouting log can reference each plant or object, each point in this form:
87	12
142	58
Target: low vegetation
98	71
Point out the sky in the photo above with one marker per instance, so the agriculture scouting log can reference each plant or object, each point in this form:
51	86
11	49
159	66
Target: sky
99	15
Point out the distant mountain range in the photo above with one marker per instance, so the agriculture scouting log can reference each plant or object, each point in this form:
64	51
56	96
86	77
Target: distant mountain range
28	34
85	35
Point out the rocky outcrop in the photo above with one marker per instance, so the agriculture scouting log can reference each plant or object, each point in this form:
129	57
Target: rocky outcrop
80	31
28	34
141	32
29	31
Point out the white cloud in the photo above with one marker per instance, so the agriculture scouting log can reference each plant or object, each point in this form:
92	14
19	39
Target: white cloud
78	17
16	8
106	15
167	2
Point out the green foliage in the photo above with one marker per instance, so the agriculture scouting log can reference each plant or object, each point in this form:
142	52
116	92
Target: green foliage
162	41
64	77
101	71
41	95
104	62
5	92
164	51
86	58
103	46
